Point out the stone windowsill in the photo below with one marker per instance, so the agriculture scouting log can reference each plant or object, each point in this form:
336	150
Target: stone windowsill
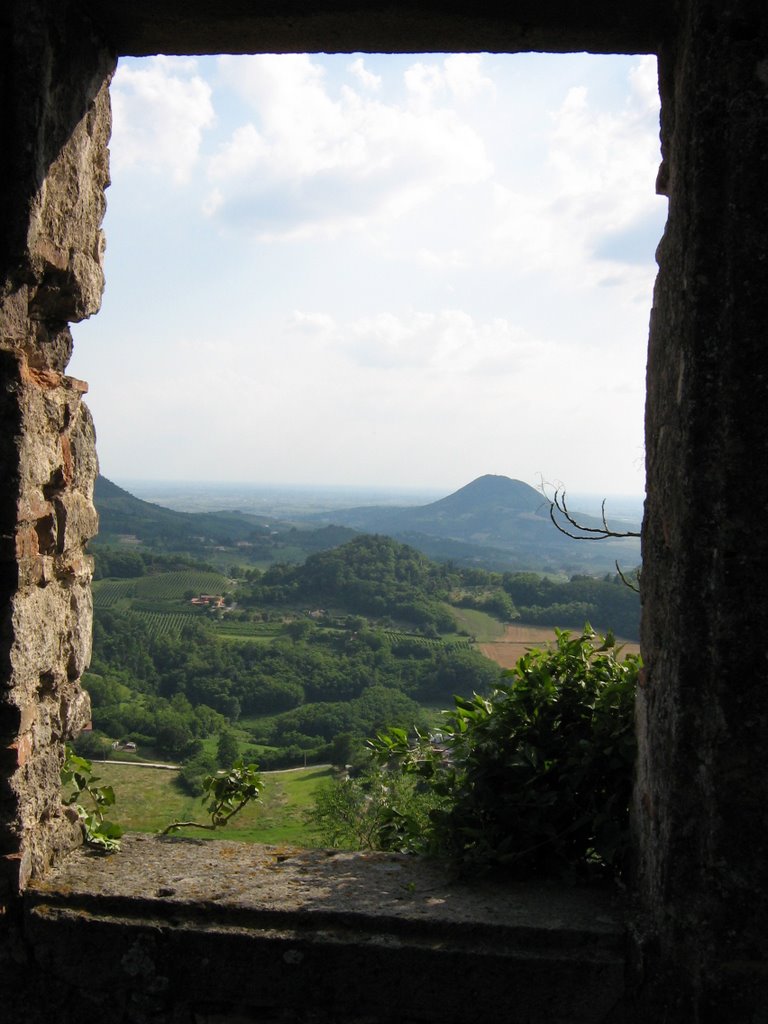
352	935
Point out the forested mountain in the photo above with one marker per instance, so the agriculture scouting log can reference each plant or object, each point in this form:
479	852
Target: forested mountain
495	522
380	577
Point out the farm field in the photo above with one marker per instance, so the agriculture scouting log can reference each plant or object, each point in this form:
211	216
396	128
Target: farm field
148	799
517	639
167	586
480	625
432	643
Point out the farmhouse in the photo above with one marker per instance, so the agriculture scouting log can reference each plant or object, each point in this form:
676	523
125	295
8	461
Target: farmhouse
208	600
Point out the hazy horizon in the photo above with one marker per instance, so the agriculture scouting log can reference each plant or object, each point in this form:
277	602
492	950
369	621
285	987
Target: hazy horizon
200	495
366	267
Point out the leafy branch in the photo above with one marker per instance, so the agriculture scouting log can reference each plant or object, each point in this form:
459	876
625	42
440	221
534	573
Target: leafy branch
227	794
98	831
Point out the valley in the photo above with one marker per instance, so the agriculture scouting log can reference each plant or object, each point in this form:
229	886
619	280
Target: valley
219	636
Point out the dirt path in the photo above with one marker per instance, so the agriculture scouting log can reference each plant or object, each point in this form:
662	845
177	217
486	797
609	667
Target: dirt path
176	767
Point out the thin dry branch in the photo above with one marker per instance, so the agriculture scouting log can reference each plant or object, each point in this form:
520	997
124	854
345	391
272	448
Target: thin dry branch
558	504
625	580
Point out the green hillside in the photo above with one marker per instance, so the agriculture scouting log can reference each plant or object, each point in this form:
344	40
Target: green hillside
494	522
130	525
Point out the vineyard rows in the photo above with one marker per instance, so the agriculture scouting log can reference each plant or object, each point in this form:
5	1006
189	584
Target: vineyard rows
168	586
172	586
162	623
425	641
106	593
229	628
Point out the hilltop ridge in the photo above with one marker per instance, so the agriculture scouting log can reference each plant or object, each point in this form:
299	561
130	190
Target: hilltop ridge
219	537
495	522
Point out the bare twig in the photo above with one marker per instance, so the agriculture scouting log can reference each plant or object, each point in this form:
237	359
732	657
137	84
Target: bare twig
627	582
558	504
217	822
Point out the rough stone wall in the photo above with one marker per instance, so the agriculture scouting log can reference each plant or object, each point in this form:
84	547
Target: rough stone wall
703	710
397	26
55	127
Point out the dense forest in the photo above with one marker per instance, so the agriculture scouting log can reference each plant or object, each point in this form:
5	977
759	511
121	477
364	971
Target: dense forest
378	576
304	687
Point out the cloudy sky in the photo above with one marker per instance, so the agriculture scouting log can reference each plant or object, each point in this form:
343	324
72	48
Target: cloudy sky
394	270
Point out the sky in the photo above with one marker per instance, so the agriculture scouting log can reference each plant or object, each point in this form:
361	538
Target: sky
377	270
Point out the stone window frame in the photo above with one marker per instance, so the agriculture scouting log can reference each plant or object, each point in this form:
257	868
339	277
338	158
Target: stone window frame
701	706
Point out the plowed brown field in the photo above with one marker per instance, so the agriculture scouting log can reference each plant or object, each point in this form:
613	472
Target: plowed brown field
518	639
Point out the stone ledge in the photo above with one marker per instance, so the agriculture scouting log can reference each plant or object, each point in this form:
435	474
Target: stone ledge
202	930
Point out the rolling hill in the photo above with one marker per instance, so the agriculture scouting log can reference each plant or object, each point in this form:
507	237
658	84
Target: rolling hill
213	536
495	522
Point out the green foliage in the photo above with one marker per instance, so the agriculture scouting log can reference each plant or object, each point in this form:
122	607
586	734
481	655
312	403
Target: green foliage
607	601
227	749
226	794
302	679
77	772
369	575
92	744
180	689
195	771
494	601
378	810
538	775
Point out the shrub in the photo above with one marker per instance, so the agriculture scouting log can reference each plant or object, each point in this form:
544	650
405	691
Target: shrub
377	810
537	776
195	771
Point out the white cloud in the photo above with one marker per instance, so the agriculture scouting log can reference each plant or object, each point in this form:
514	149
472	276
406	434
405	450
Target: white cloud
311	323
160	108
364	76
606	162
464	76
595	200
312	161
447	343
458	332
644	78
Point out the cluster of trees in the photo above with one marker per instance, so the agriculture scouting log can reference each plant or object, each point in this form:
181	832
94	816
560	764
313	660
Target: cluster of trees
124	563
370	575
608	603
377	576
534	778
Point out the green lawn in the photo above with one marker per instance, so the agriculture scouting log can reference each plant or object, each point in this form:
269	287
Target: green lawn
147	799
482	626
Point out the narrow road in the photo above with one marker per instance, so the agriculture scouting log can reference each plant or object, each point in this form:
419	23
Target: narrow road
176	767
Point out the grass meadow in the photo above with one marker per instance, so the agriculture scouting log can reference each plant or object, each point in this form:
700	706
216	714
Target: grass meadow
148	799
480	625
